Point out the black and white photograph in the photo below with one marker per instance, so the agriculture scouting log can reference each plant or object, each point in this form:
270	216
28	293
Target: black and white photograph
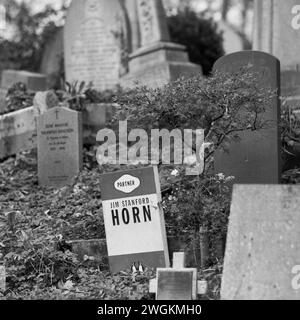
149	153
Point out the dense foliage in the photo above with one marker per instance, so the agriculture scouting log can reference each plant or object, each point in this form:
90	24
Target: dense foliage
31	32
200	35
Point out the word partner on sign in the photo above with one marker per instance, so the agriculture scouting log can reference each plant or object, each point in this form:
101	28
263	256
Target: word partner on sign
134	220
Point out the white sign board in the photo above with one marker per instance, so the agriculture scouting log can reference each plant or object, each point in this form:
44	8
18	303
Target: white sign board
134	221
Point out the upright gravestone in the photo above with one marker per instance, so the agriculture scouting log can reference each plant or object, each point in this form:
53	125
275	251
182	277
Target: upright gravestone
52	59
133	217
96	42
2	279
33	81
262	251
276	28
59	135
256	157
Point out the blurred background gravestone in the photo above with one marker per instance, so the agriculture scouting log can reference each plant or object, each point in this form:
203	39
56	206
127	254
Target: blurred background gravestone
96	42
52	60
157	60
262	244
275	33
256	157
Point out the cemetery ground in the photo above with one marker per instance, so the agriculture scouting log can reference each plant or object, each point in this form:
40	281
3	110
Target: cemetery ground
36	224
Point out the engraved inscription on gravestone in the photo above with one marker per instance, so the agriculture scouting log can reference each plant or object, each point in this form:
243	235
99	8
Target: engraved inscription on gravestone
59	146
95	40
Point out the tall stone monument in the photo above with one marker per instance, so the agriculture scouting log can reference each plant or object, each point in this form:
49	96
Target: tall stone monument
277	31
157	60
96	42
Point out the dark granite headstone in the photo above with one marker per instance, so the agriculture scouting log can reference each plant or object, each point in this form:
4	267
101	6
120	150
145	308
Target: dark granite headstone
256	157
59	133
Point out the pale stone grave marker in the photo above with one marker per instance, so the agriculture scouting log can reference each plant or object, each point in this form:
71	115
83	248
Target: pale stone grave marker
96	42
59	135
133	217
33	81
2	279
263	245
177	283
256	157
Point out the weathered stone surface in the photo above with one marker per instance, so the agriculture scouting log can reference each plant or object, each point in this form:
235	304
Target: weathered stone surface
17	132
33	81
18	129
263	243
2	279
44	101
3	93
53	54
96	42
157	61
174	284
256	158
152	22
95	118
59	133
275	33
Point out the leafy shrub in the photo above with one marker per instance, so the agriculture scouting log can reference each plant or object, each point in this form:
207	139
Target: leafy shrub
200	35
223	106
34	262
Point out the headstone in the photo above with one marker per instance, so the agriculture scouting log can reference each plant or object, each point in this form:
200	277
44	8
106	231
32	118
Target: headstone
17	132
3	93
18	128
59	136
52	59
133	217
33	81
156	61
96	42
263	245
2	279
256	157
177	283
276	28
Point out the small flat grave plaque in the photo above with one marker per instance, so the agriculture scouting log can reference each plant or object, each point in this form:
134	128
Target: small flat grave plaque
59	132
174	284
177	283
